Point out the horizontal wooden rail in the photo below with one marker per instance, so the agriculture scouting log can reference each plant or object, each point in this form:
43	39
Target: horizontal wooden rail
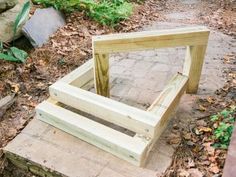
195	38
166	103
150	40
112	111
124	146
80	76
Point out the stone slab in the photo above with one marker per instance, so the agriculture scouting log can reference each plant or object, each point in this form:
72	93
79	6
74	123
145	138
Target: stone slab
42	25
58	151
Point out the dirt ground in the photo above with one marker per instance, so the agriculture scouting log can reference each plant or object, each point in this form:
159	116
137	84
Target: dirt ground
71	46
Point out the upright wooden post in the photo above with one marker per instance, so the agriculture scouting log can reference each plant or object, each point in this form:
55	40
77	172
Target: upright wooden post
101	70
193	66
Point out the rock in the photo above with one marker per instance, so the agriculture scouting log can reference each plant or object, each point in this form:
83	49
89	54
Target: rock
5	103
7	20
7	4
42	25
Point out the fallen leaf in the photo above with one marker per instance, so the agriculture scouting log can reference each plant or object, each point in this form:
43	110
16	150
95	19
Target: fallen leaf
191	163
201	108
194	172
214	168
183	173
212	159
210	150
187	136
173	139
204	129
201	123
210	100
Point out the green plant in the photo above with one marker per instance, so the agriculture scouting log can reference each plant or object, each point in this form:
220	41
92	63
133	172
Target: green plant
223	127
21	17
14	54
106	12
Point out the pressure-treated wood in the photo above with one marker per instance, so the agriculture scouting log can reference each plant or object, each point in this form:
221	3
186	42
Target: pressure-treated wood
115	112
150	40
195	38
80	76
167	102
101	63
112	111
193	66
146	125
117	143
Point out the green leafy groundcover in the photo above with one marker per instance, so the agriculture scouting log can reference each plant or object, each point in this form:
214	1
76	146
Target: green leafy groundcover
106	12
223	129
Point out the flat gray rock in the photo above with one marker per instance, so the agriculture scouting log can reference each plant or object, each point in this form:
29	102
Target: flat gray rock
42	25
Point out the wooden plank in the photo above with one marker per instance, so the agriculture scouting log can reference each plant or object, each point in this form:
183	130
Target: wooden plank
173	89
193	66
81	75
101	72
118	113
119	144
166	103
150	40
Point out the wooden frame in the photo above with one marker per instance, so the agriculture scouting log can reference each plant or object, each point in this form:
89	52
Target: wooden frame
195	38
146	126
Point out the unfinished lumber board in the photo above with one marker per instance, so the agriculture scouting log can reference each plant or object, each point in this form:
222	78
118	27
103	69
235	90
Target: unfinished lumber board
166	103
81	75
101	72
193	66
150	39
195	37
108	139
112	111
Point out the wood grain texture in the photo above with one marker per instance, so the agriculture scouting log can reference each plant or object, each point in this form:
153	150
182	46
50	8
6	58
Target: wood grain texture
80	76
107	109
193	66
101	71
195	37
150	40
126	147
166	104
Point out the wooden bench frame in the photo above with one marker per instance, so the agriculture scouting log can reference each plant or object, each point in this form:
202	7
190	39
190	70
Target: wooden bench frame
195	38
146	125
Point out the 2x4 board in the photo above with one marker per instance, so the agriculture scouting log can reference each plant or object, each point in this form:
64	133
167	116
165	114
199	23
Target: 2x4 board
71	106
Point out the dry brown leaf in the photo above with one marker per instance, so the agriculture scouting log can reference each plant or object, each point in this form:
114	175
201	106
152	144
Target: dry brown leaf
191	163
204	129
187	136
183	173
194	172
201	123
202	108
214	168
210	100
209	148
173	139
